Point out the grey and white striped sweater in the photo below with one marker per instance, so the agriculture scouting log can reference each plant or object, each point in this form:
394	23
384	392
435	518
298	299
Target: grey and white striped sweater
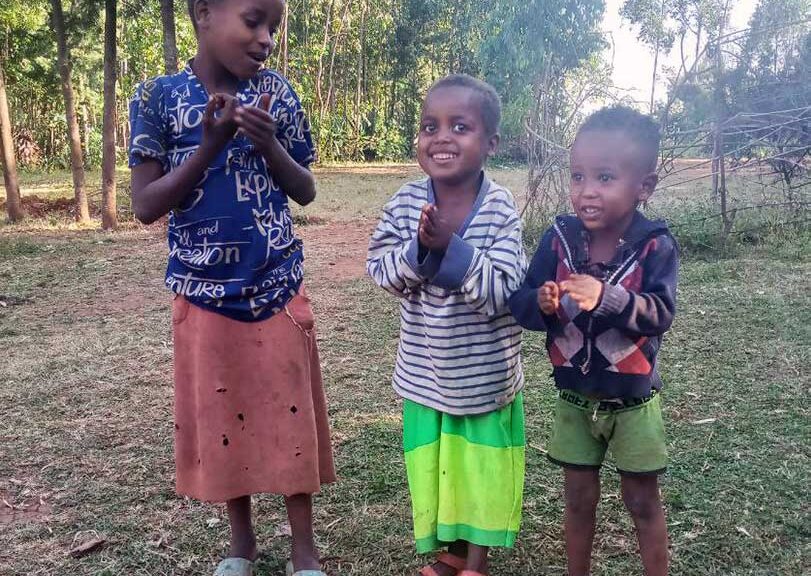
460	348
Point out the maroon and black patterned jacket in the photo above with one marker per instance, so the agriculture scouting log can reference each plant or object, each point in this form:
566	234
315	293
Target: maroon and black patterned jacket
611	351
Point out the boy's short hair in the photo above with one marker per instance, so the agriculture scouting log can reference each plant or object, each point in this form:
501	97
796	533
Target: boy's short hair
641	128
489	101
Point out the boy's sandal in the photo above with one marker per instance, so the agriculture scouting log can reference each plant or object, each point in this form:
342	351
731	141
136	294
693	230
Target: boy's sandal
234	567
446	558
290	571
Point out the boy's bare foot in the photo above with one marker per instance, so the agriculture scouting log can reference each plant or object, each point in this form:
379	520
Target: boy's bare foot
439	568
447	563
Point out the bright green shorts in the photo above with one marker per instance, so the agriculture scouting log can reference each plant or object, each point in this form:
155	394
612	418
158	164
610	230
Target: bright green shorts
633	431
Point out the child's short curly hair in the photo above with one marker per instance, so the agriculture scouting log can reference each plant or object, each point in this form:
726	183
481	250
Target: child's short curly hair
641	128
489	101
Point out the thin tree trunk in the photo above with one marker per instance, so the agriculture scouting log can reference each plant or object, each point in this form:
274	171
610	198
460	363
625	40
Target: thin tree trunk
108	213
320	74
656	60
76	163
334	51
359	71
282	56
653	83
719	168
169	36
9	162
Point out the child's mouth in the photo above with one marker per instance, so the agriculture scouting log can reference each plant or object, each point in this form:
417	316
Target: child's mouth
258	58
443	157
590	211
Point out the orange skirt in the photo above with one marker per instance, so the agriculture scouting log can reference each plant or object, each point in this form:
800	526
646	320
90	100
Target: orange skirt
250	410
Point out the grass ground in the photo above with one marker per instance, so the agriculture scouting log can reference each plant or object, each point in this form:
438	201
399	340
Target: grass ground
86	424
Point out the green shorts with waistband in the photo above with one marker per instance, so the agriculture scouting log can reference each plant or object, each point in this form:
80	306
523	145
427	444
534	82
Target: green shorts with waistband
633	430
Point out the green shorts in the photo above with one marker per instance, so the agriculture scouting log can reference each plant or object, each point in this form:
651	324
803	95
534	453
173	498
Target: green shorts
633	429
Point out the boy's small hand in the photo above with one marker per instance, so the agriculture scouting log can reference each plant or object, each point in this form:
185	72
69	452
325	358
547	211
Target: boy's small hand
218	120
424	226
585	290
549	298
435	232
256	123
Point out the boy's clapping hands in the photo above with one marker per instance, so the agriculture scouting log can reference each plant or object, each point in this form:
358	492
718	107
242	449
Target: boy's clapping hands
585	290
435	231
549	298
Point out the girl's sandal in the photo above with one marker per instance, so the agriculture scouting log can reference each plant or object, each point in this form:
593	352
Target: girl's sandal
234	567
446	558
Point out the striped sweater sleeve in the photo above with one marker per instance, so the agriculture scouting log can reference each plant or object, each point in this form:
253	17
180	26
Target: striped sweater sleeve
487	277
393	249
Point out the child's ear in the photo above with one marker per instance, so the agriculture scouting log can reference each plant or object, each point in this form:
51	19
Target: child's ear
649	183
202	13
492	144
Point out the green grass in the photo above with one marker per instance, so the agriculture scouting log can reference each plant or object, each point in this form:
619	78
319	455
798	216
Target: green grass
86	418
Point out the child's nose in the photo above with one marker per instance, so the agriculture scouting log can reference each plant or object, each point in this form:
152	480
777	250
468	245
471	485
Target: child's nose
266	40
591	190
444	134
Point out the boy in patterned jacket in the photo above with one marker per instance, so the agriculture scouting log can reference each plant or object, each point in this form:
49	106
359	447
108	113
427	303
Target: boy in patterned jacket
602	284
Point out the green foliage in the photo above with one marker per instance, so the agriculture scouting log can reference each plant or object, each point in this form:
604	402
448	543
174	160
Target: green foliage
650	17
527	36
360	67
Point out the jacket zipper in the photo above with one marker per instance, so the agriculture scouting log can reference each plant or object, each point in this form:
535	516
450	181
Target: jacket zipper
586	365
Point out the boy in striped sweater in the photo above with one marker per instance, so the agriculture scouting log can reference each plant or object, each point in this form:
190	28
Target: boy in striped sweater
449	247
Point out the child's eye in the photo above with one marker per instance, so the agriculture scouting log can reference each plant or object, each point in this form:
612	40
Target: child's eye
428	128
251	23
576	177
459	127
604	178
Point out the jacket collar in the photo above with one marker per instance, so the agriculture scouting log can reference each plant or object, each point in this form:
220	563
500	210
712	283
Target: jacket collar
573	234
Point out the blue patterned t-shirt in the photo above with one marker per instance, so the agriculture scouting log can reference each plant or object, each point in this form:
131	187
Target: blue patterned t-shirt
231	243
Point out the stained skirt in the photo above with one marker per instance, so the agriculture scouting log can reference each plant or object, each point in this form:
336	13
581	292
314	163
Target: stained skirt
250	409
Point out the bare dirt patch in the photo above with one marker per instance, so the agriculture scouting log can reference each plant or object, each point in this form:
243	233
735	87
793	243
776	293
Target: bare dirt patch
39	207
337	250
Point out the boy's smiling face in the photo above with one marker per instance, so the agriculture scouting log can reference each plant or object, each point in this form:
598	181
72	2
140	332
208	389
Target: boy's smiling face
453	142
239	33
609	179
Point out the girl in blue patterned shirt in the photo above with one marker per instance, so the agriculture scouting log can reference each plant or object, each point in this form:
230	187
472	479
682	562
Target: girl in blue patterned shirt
219	147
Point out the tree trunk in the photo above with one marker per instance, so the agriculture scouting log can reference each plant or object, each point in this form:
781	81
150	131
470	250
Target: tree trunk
359	74
108	215
653	83
320	74
334	51
282	56
76	163
9	163
169	36
719	168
